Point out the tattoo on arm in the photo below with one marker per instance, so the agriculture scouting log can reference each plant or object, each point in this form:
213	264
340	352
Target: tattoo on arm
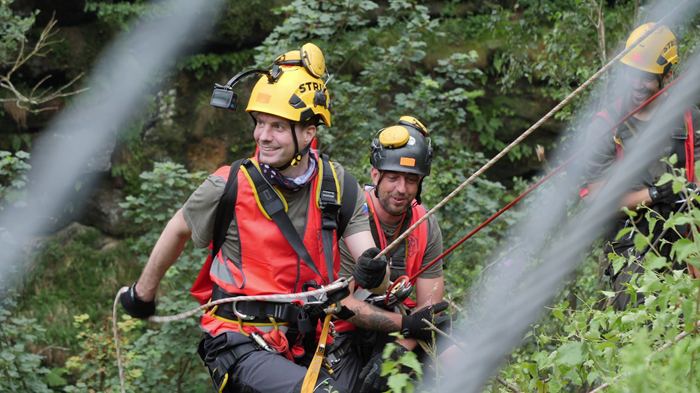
373	318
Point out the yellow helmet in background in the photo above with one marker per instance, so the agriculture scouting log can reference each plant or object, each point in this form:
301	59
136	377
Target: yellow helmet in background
655	52
294	89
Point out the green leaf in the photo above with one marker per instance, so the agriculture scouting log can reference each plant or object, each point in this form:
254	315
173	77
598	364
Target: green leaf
684	248
654	262
665	178
623	232
672	160
557	313
54	378
398	382
570	354
411	360
640	241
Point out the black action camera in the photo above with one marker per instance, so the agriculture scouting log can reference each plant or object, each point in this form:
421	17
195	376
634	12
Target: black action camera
224	97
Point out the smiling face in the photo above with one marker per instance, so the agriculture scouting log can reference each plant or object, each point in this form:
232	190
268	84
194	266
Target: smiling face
273	134
643	85
396	190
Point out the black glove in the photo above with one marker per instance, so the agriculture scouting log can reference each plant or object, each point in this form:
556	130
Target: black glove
371	375
664	193
413	325
369	272
134	306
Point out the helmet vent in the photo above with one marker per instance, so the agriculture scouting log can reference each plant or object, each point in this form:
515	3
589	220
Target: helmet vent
296	102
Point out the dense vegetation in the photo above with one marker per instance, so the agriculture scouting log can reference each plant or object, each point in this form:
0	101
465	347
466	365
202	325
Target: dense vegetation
477	73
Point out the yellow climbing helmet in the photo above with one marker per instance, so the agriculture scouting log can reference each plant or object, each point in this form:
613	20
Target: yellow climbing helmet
655	52
294	89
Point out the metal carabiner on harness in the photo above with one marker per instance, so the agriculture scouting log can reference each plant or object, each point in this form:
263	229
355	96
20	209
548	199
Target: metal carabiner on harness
239	314
398	292
261	342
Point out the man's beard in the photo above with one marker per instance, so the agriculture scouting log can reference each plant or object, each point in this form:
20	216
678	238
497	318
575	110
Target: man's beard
384	200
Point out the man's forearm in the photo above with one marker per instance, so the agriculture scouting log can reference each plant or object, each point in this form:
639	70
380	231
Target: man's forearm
166	251
372	318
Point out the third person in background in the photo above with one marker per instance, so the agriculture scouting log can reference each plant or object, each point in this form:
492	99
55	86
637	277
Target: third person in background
647	68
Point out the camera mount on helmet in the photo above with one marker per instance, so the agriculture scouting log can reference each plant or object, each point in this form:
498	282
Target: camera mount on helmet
224	96
309	56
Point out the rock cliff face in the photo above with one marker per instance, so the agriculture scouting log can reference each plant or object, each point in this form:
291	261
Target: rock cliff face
178	124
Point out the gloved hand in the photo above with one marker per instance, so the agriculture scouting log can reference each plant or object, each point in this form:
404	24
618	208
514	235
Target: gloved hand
413	325
664	193
371	375
134	306
369	272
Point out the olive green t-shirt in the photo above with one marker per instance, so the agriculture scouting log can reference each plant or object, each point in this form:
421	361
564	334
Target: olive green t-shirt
433	250
601	158
200	213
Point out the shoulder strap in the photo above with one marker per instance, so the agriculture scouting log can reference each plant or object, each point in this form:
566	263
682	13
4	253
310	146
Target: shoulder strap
226	208
684	147
689	146
347	203
328	203
271	202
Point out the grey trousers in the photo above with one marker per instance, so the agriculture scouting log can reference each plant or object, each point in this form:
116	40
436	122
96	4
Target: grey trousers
261	371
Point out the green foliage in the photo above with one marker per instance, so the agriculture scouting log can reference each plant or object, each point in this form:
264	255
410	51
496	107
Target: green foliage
13	32
120	14
162	192
561	44
13	178
397	381
93	368
206	63
579	348
92	264
20	368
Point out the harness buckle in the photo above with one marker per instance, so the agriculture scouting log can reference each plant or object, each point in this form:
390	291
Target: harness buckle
328	218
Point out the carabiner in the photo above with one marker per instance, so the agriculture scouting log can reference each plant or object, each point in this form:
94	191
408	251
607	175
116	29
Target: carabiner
239	314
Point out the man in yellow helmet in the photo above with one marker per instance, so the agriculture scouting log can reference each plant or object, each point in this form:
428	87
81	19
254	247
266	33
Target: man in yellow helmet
401	158
273	222
647	68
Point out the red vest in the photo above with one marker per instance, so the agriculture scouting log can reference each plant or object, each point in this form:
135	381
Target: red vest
267	263
416	242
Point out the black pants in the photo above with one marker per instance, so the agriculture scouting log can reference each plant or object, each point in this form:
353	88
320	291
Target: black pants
257	371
